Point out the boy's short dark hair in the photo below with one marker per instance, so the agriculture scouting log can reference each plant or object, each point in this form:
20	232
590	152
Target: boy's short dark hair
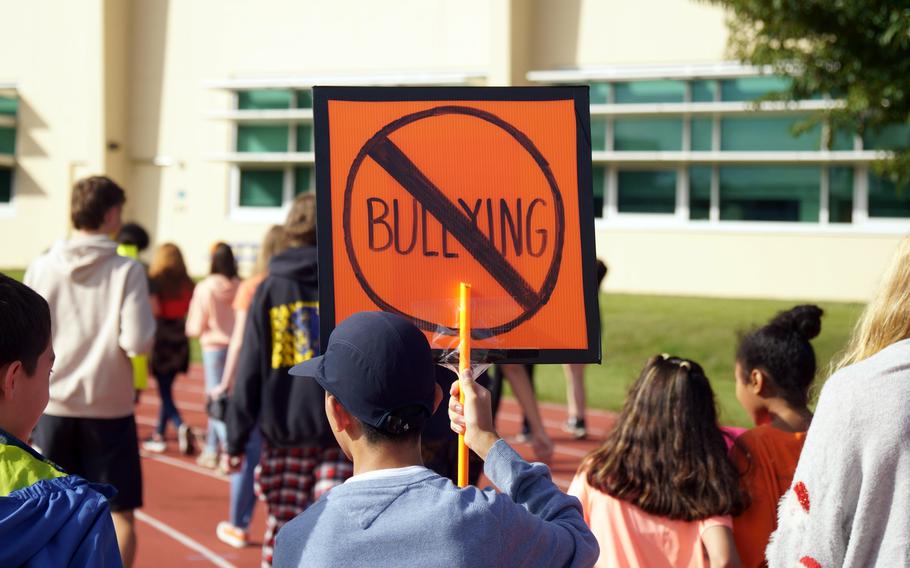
133	234
415	415
92	198
25	327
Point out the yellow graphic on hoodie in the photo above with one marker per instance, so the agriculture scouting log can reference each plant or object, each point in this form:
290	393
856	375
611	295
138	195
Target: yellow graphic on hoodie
294	326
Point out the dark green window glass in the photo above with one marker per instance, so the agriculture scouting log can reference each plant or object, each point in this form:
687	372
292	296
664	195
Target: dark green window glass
261	188
302	179
600	93
649	92
599	179
840	195
891	137
842	140
646	191
703	91
766	134
658	134
702	129
7	140
6	185
751	88
304	137
305	98
8	105
766	193
885	200
270	138
699	192
263	99
598	133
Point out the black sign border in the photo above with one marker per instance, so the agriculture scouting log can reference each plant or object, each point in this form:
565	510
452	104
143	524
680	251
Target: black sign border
577	93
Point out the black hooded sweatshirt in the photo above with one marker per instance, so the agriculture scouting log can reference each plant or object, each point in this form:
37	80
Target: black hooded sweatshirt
282	329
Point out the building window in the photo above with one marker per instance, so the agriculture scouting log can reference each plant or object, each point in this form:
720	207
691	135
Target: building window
255	138
647	191
649	92
700	192
599	178
647	134
886	200
701	132
766	134
704	91
747	89
891	137
261	188
8	108
770	193
840	195
265	185
598	133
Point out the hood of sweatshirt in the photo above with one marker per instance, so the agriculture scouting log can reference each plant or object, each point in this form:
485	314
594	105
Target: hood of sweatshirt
82	256
223	288
367	501
297	264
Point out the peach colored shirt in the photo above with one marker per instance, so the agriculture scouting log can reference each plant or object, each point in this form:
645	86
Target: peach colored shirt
246	291
630	537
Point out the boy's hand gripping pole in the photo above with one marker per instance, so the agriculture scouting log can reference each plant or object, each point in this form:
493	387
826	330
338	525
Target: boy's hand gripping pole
464	362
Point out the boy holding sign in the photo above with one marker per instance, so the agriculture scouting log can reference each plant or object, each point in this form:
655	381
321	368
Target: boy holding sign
379	377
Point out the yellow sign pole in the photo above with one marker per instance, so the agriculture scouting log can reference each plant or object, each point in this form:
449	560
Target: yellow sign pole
464	362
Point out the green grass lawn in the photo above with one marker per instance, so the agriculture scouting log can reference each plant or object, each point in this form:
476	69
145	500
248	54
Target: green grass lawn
702	329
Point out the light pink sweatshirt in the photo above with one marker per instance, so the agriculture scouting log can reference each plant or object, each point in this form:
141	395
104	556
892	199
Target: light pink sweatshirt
211	315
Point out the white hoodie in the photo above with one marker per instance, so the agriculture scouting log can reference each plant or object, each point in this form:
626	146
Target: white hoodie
100	316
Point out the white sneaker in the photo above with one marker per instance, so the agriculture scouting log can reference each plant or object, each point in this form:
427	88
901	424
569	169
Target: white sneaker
185	440
231	535
154	446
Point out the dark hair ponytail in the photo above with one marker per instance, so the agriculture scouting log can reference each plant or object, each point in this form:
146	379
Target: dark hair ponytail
781	350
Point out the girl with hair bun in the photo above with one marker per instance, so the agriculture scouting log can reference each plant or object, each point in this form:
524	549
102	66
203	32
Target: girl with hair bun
775	367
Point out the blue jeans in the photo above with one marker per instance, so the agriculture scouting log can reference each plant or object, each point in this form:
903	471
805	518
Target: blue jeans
213	364
168	410
243	498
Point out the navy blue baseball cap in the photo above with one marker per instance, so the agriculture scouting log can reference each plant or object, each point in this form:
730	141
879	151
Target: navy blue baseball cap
377	364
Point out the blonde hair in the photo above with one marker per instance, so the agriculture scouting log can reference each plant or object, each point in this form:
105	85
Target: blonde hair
300	226
886	319
272	244
168	271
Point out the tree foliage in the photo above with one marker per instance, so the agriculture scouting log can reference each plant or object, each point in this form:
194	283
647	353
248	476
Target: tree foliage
857	51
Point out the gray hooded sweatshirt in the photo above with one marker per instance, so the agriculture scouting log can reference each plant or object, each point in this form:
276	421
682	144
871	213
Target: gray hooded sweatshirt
100	317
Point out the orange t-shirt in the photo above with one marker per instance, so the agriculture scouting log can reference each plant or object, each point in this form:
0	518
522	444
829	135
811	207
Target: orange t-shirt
768	466
630	537
246	291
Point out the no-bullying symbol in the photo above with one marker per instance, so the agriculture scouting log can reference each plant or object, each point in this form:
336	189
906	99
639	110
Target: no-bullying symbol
390	157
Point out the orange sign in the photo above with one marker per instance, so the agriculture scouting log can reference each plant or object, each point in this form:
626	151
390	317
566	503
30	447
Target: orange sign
420	189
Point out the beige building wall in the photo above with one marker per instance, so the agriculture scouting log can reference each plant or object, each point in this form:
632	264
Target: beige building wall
745	264
122	87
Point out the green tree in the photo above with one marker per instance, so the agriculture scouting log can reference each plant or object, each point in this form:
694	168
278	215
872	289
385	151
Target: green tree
857	51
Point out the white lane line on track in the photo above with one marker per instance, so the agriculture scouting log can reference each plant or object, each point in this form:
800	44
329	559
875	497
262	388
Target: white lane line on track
184	540
183	465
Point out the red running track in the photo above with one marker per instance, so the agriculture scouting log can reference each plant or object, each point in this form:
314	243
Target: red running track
184	502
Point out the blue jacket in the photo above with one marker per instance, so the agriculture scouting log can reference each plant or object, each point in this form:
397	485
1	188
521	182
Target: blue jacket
422	519
49	518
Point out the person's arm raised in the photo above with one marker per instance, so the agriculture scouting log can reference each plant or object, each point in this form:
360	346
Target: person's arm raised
720	548
540	525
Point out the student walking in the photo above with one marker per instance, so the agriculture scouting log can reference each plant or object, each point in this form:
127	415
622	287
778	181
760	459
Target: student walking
101	313
849	502
47	518
380	383
235	531
661	490
211	319
775	367
300	459
172	290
